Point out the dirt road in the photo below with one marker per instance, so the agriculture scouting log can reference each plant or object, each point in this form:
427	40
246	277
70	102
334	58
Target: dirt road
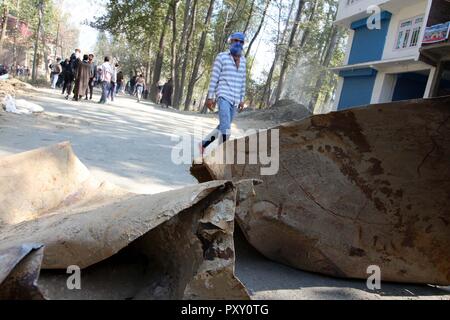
131	145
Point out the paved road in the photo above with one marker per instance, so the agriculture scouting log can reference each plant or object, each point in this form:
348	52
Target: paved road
130	144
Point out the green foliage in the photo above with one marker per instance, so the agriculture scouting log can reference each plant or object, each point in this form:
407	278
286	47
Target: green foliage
134	28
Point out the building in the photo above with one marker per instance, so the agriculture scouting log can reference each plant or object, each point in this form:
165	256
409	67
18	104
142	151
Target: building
391	61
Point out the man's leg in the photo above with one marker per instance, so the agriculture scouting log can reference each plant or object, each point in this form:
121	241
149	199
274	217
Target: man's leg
223	130
64	86
210	138
225	118
91	88
69	87
104	91
55	81
112	90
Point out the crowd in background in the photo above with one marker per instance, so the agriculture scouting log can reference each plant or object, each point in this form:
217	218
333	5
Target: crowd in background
80	74
18	70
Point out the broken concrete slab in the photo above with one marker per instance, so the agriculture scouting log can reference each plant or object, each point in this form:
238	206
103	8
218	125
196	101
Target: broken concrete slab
356	188
173	245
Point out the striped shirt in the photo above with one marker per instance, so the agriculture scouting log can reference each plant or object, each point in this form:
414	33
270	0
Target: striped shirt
227	81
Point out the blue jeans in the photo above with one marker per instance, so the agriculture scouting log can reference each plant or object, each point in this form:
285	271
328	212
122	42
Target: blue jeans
112	91
227	111
139	90
105	90
226	115
54	80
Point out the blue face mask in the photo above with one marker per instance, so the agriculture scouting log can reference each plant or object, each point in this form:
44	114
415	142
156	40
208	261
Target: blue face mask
236	48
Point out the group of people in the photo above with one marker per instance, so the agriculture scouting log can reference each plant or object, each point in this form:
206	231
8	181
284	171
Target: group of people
227	85
79	74
18	70
164	93
136	86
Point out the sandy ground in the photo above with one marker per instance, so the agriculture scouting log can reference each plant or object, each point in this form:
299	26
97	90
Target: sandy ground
132	144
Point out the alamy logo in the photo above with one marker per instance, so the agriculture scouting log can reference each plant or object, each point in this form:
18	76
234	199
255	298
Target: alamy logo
374	20
74	281
257	147
374	280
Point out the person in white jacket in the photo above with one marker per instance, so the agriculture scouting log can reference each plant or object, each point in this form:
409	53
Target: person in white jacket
106	76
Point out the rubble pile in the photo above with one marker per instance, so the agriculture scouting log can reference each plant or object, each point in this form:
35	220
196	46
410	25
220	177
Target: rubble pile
356	188
13	87
283	111
55	216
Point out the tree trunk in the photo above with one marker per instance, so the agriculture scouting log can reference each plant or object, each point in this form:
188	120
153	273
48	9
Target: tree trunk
199	55
177	79
44	51
266	7
307	32
287	56
173	66
147	64
250	15
4	24
329	54
159	58
187	52
268	86
16	30
36	42
57	39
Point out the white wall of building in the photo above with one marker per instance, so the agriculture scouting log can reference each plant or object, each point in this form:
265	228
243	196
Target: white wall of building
383	89
405	13
357	8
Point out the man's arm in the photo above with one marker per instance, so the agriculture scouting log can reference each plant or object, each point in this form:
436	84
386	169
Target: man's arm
243	88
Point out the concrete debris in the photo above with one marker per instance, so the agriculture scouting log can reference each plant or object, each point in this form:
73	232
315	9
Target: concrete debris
283	111
12	86
357	188
55	217
20	106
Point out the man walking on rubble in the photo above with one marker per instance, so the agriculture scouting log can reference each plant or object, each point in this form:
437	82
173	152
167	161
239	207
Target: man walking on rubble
227	88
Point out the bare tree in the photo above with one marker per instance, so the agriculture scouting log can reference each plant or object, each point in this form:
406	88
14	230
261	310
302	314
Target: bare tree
176	75
289	49
261	23
159	57
199	55
250	15
187	51
173	67
279	41
325	64
4	23
36	42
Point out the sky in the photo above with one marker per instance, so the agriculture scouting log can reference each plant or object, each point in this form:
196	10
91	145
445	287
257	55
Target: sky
86	10
80	11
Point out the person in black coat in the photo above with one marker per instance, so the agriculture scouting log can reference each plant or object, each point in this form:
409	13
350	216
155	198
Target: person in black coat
167	91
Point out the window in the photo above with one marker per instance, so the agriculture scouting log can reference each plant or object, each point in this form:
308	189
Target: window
408	33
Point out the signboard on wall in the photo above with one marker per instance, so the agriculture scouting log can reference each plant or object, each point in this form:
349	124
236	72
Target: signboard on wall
436	33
